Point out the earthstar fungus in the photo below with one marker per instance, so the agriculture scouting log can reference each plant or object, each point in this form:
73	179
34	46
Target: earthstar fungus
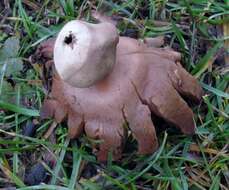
103	81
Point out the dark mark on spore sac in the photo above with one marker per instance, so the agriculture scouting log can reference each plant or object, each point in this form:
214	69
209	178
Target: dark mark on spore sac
70	40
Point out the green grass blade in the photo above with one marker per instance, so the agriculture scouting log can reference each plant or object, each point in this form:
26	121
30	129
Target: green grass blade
17	109
75	168
203	64
157	156
59	162
215	91
10	174
45	187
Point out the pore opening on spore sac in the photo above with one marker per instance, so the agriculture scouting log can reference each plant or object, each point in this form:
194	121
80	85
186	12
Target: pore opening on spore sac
68	39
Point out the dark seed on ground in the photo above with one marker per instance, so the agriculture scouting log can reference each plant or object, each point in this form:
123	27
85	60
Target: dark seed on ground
36	175
29	129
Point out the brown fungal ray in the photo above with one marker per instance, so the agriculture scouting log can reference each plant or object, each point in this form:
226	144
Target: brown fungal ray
144	80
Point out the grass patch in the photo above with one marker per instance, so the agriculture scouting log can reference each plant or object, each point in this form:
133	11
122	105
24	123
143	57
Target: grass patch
198	29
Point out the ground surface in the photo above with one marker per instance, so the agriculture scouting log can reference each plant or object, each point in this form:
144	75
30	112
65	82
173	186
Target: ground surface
198	29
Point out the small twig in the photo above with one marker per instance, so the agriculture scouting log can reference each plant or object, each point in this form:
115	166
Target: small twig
50	130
